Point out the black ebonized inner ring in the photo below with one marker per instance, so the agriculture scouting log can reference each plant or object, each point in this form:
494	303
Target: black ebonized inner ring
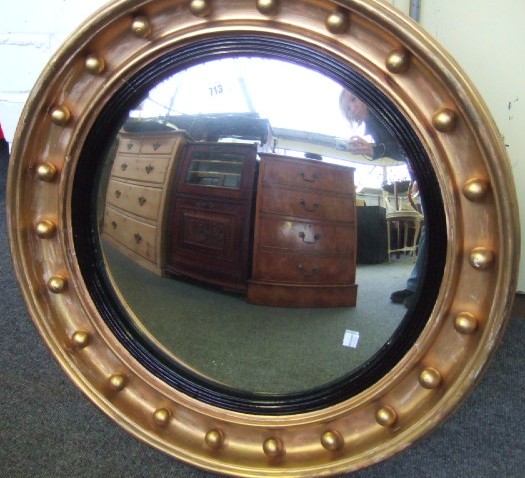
89	251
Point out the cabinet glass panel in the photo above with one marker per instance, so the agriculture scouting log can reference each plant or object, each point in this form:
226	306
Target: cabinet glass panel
215	169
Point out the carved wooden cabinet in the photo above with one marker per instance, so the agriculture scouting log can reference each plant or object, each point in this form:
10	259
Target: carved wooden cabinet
136	206
211	219
305	234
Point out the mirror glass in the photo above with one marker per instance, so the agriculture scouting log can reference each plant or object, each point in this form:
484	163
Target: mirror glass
247	221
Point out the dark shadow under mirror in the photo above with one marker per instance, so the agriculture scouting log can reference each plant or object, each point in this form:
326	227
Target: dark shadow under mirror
254	212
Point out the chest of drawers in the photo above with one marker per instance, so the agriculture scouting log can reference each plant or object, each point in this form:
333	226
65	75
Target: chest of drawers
305	235
137	195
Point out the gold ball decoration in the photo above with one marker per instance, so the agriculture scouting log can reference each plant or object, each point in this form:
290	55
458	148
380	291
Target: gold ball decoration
200	8
140	27
57	284
45	229
475	190
465	323
267	7
398	61
81	338
46	172
386	416
430	378
60	115
338	22
332	440
162	417
95	64
481	258
118	382
445	120
214	439
273	448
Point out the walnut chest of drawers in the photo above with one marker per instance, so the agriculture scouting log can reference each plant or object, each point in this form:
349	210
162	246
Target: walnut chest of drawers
137	194
305	234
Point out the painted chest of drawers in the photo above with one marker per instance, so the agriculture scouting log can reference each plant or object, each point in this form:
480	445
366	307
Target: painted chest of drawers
305	234
137	195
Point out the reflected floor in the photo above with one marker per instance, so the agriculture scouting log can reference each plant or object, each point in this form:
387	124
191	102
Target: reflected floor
256	348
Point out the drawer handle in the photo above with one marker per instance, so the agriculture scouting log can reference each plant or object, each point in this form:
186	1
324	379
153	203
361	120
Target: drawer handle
315	206
149	168
317	236
305	273
124	167
114	224
138	238
156	146
142	200
312	179
117	193
130	145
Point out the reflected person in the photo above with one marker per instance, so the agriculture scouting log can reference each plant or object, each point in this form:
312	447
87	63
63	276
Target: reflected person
357	113
383	145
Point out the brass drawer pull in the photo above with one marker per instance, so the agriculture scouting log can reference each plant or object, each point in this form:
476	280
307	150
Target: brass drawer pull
142	200
138	238
124	166
156	146
305	273
130	145
149	168
317	236
114	224
312	179
117	193
315	206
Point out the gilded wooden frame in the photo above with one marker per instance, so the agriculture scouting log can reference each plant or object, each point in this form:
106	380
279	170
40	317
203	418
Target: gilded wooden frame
466	153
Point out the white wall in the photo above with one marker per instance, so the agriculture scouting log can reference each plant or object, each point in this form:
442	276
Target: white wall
488	39
30	32
485	36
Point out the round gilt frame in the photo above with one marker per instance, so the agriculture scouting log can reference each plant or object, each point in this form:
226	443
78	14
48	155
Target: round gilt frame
469	162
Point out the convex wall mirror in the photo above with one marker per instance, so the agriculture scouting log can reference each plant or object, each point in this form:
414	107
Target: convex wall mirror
186	229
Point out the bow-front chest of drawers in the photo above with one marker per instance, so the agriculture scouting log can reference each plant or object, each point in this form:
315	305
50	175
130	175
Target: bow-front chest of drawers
305	234
137	194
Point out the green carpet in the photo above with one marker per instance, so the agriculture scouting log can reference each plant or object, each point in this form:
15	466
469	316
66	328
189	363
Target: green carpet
256	348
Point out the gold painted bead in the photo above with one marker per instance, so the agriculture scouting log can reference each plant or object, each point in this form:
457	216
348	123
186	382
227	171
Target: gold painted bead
445	120
200	8
45	229
267	7
141	27
398	61
214	439
81	338
273	447
162	416
332	440
60	115
46	172
465	323
430	378
118	382
481	258
475	189
57	284
386	416
337	22
95	64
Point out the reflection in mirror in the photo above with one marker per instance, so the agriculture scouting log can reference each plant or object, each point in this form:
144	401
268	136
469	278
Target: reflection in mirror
255	222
